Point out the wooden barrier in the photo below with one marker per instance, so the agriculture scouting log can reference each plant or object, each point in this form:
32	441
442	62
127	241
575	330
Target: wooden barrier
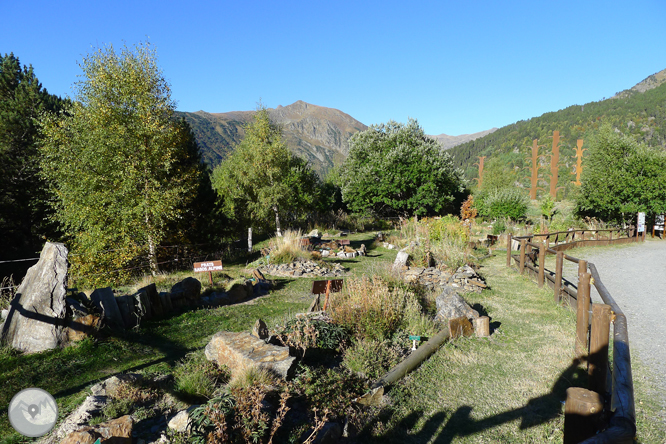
583	408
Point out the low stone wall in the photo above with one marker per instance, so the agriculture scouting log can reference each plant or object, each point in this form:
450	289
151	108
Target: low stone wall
303	269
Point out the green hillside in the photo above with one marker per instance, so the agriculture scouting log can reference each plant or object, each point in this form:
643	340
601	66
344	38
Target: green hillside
640	114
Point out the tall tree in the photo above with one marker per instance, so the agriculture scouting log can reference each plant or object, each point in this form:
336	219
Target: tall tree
396	169
621	178
22	190
117	160
261	178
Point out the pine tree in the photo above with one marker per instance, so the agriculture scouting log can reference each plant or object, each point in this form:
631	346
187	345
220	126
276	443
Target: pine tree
22	191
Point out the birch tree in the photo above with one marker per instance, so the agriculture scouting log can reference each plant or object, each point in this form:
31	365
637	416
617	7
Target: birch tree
115	159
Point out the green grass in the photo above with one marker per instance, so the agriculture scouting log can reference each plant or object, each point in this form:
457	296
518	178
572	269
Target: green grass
507	388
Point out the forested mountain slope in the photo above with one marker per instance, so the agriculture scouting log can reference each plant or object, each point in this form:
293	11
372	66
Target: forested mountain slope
640	112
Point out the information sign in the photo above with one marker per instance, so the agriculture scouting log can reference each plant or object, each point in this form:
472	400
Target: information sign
207	266
641	222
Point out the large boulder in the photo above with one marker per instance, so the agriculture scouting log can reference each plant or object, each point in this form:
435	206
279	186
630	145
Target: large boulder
36	317
450	305
241	350
189	288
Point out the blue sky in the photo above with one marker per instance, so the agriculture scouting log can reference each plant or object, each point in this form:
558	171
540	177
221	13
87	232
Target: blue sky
458	67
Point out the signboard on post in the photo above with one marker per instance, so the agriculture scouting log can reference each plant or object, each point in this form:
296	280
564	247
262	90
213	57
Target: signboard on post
210	266
641	222
326	287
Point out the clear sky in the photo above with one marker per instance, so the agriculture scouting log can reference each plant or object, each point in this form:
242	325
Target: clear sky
457	66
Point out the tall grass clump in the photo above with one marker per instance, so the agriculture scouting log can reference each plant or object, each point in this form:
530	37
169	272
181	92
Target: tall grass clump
437	241
372	309
197	378
287	248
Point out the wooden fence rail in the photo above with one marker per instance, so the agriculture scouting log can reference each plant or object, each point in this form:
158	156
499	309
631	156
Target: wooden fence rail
610	390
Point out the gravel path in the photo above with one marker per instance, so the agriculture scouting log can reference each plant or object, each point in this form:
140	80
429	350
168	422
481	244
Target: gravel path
635	275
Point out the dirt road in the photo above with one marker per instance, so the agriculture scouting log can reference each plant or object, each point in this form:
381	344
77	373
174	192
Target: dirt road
635	276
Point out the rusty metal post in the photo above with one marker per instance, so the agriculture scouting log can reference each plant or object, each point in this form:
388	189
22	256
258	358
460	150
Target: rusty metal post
328	292
508	250
559	262
523	245
599	333
582	313
542	263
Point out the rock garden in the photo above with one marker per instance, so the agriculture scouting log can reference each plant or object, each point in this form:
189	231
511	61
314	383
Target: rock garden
294	380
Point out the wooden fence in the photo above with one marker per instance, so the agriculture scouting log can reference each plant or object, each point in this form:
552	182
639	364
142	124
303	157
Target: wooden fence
605	413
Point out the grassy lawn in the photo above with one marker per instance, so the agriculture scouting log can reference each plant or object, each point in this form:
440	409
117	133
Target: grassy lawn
506	388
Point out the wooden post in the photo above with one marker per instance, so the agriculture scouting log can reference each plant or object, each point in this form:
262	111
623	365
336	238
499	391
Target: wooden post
598	362
582	315
597	235
559	262
523	243
582	411
542	263
249	240
582	267
508	250
328	291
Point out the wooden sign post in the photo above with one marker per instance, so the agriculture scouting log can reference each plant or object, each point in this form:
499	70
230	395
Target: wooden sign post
326	287
200	267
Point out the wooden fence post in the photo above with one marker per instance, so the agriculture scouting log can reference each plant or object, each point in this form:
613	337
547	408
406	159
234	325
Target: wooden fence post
559	262
249	240
598	362
582	267
582	410
582	315
508	250
542	262
523	245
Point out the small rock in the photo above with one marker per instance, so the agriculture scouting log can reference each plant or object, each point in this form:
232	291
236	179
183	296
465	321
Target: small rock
260	330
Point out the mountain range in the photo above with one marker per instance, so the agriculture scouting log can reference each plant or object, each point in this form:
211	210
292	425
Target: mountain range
318	134
321	135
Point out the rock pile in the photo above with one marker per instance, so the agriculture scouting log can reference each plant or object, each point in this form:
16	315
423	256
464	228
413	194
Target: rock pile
302	269
464	278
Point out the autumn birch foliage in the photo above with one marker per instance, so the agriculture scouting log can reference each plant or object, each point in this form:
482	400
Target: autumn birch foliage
114	160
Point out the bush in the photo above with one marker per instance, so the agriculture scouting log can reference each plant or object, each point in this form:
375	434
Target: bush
508	203
305	332
371	359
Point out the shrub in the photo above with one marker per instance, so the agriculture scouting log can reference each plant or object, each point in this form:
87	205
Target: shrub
369	358
328	389
505	203
499	227
305	332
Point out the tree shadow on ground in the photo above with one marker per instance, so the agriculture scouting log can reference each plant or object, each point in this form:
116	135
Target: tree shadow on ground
445	425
